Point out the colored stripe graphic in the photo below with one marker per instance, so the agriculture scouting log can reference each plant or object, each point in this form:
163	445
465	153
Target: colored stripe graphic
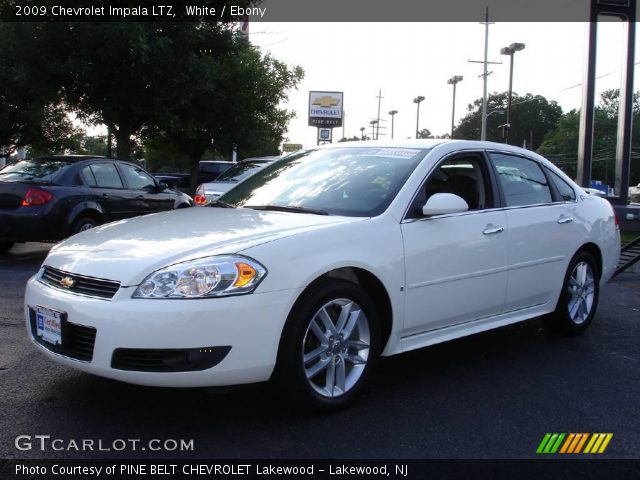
598	443
573	444
550	443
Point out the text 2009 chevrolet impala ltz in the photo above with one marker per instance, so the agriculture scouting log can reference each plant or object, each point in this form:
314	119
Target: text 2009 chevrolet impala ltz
322	262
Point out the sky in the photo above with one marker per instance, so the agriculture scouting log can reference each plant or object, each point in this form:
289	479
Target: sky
405	60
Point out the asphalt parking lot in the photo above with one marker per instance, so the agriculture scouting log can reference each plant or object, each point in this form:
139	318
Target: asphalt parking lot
492	395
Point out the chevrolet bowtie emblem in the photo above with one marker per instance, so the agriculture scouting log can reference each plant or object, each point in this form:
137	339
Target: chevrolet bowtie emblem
67	282
326	101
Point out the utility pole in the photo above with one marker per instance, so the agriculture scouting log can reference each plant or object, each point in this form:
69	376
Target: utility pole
380	97
485	74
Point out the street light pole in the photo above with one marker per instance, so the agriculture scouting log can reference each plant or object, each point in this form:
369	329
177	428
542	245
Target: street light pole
454	81
510	50
392	113
417	101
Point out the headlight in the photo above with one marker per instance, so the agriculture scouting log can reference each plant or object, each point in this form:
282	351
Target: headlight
203	278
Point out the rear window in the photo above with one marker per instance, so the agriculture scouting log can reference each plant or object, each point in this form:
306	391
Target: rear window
34	171
240	171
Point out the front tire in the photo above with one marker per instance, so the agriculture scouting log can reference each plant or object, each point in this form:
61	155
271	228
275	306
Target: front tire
579	297
330	346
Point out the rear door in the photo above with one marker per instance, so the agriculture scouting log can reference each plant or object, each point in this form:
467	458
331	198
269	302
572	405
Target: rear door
542	230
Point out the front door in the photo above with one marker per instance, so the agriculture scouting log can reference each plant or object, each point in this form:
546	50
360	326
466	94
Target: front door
455	264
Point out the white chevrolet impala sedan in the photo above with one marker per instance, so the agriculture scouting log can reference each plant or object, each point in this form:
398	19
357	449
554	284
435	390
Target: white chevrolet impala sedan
309	271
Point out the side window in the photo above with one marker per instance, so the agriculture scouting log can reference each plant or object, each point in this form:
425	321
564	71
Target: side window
106	175
136	177
87	176
522	180
463	176
565	190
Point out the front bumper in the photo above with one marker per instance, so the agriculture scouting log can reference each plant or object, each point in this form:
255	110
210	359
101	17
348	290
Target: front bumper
250	324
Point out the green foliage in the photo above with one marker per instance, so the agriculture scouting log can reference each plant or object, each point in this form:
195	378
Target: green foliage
200	84
31	113
425	133
561	145
355	138
532	117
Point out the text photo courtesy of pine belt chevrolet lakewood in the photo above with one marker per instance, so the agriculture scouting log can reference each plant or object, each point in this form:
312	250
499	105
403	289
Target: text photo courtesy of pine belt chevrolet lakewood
311	269
51	198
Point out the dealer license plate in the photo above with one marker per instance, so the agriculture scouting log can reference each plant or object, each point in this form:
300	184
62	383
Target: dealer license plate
49	325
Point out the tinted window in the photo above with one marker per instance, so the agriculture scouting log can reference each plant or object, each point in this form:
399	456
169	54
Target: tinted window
214	167
522	180
240	171
88	177
106	175
354	181
136	177
34	170
566	191
463	176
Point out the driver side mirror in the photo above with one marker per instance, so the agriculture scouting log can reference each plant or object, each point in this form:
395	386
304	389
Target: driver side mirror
443	204
165	184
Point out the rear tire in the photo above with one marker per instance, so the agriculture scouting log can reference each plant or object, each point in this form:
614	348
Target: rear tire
5	246
579	297
330	346
83	224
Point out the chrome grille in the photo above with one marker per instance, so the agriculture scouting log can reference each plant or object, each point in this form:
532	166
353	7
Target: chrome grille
79	284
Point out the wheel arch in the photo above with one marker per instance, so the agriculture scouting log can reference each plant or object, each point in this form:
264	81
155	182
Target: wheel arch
369	282
594	250
90	209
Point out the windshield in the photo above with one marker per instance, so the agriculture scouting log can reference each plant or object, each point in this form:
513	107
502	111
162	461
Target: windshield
240	171
352	181
33	170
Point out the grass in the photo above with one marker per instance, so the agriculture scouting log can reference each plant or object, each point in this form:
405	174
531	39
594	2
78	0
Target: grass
628	236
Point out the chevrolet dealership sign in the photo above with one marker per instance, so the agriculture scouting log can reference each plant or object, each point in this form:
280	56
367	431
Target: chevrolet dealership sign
325	109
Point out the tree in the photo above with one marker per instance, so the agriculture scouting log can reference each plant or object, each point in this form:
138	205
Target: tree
425	133
124	75
532	116
355	138
561	145
233	98
31	113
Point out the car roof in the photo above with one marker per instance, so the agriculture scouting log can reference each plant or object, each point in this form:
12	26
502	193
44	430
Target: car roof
67	158
260	159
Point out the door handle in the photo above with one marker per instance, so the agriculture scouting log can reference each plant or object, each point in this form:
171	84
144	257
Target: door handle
490	230
563	219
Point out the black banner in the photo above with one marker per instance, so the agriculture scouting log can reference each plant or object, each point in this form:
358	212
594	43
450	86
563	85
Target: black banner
320	469
300	10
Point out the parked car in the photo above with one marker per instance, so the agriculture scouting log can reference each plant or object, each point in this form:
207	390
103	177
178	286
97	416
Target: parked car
208	171
634	194
210	191
311	269
51	198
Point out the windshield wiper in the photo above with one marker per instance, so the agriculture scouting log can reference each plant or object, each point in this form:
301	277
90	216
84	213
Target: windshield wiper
220	203
287	208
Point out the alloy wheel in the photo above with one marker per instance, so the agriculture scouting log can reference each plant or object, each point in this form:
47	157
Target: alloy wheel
581	291
336	347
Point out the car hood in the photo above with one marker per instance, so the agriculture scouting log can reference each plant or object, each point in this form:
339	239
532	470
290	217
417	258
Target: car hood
128	250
